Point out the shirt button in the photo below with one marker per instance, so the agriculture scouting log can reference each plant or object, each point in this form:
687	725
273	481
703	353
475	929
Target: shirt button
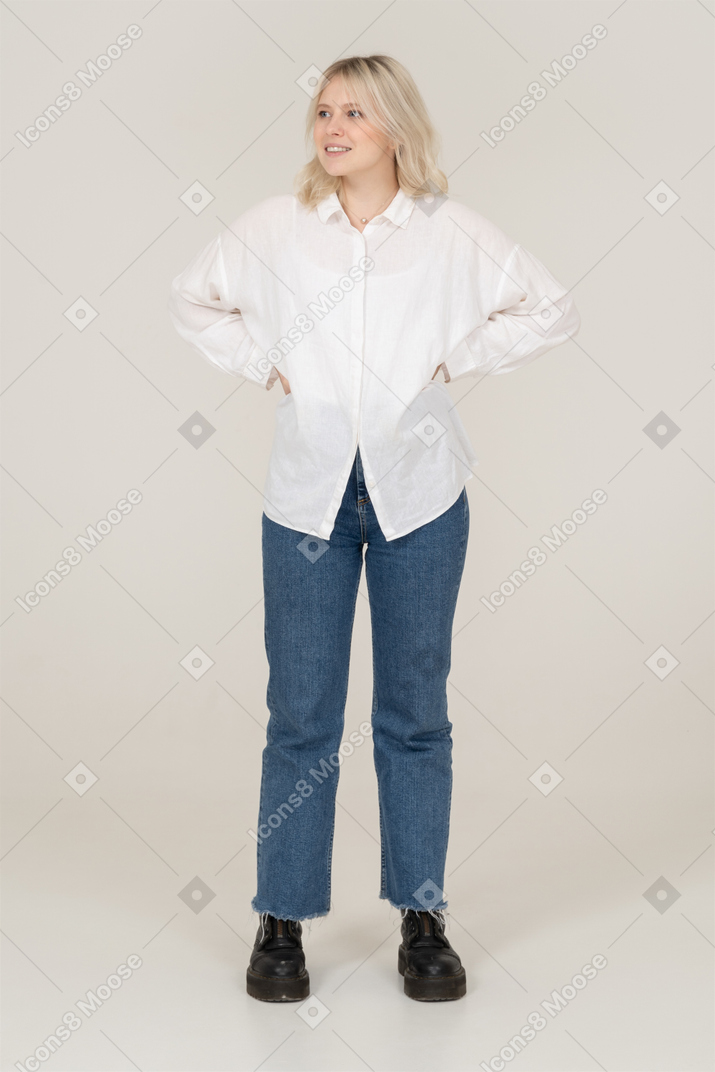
371	483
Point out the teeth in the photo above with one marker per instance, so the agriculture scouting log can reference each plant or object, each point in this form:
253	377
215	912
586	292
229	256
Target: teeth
330	149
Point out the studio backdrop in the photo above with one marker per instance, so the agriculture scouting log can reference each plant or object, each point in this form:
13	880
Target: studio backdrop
134	669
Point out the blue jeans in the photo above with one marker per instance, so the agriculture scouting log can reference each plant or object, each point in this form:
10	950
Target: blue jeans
311	588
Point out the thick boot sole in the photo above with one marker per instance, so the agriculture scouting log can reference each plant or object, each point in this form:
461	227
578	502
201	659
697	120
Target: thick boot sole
273	988
431	988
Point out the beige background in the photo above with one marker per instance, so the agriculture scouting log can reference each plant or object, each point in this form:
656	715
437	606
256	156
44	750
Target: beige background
617	858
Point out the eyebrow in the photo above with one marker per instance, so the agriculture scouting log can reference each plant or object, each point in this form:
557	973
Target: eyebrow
350	104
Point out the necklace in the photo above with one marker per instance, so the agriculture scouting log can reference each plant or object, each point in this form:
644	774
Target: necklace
363	219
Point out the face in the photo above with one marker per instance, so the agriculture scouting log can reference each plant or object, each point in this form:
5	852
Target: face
339	124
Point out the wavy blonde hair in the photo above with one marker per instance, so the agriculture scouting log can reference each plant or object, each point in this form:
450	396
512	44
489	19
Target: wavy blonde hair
386	94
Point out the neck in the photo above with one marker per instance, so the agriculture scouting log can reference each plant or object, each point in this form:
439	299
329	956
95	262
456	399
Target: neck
365	193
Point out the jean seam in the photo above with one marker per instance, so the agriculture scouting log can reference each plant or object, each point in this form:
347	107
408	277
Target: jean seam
383	859
346	681
375	705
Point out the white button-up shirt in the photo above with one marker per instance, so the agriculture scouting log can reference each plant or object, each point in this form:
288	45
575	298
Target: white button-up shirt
358	322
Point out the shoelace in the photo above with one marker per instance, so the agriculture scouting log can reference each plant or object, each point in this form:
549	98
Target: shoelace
429	931
279	934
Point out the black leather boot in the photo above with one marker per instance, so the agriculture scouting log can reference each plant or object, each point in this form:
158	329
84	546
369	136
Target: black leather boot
431	968
277	969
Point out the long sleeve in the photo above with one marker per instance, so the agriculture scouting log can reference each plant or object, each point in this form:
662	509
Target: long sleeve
532	313
204	315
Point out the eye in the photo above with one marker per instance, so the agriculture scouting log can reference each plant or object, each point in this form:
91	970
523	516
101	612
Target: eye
353	111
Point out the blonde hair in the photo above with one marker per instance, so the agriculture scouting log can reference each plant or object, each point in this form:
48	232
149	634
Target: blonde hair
386	94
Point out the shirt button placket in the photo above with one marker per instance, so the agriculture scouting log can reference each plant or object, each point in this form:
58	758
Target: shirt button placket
358	331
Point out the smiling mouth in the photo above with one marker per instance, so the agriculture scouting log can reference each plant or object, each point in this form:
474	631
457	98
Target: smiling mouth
338	149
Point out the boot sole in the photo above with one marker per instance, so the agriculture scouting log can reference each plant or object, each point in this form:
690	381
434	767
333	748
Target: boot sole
434	988
273	988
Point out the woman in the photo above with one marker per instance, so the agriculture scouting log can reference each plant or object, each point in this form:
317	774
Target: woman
354	293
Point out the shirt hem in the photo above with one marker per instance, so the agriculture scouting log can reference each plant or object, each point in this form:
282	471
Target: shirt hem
432	517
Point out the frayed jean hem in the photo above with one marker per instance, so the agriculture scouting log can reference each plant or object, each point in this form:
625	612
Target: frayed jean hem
439	913
278	914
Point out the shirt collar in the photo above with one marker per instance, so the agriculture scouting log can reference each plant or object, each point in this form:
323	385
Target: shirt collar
398	211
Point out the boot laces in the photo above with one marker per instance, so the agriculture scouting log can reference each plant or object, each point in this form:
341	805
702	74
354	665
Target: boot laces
278	933
429	929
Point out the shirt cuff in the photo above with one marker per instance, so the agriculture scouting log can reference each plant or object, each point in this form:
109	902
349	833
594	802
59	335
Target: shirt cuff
459	363
259	369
